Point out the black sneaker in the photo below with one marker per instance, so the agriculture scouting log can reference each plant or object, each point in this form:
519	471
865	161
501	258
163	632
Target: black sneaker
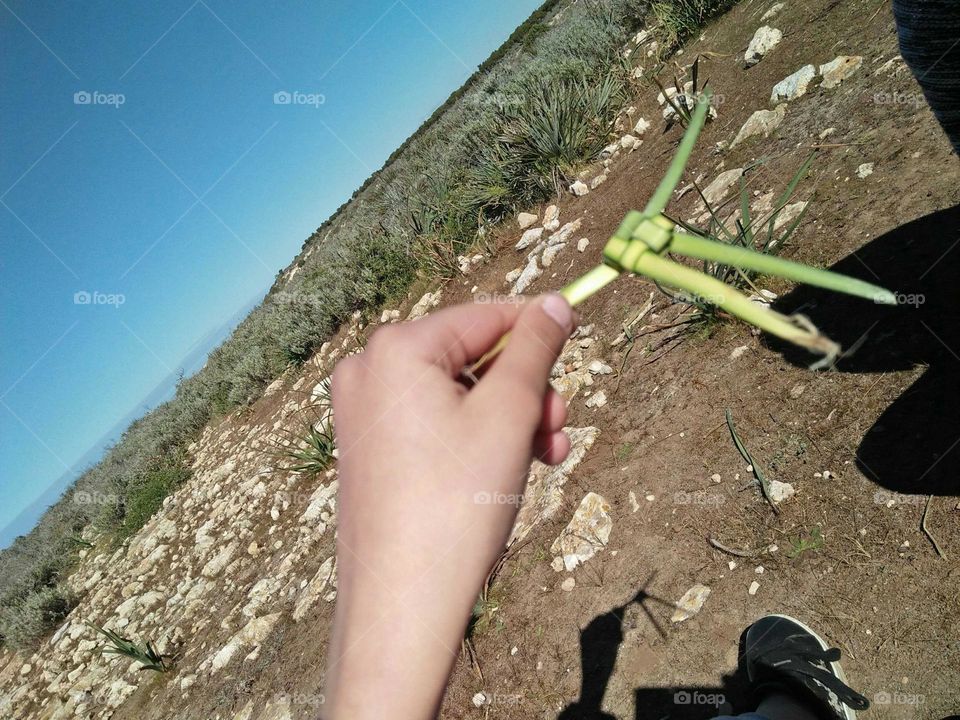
781	654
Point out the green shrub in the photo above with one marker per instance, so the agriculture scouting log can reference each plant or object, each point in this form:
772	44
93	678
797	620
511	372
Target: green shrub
679	19
25	620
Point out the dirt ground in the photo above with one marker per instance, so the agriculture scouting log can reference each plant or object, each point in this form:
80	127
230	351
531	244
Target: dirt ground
883	424
868	446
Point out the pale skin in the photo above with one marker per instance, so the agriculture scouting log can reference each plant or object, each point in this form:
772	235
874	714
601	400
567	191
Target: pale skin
429	474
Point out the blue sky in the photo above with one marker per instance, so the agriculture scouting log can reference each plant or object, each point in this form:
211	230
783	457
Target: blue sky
146	168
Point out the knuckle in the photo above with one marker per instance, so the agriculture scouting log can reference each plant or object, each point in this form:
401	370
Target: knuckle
386	340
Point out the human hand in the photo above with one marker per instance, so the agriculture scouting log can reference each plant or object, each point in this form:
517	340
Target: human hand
429	477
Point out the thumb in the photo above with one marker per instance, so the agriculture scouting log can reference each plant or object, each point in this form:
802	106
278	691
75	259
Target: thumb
523	368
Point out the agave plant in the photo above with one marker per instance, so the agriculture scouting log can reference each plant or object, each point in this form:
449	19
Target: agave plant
313	452
144	654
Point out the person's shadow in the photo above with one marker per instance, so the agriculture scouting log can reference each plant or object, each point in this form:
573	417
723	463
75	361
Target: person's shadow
914	445
599	646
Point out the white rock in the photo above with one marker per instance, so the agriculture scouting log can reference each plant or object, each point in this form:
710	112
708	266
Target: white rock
530	273
597	400
865	170
525	220
732	564
754	586
839	69
479	699
774	9
550	254
579	188
759	569
530	237
717	191
388	316
551	218
598	181
252	634
424	305
610	150
762	122
568	584
641	127
716	477
788	214
582	244
565	233
468	263
793	86
691	603
764	40
629	142
325	577
780	491
586	534
598	367
738	352
632	498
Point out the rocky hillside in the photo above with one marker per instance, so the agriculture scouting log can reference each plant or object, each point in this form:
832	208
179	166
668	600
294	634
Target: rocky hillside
635	565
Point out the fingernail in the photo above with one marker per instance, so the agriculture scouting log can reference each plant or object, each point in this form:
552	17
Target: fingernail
559	311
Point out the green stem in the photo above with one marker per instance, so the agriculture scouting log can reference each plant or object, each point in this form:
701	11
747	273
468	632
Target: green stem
741	257
589	283
661	196
725	297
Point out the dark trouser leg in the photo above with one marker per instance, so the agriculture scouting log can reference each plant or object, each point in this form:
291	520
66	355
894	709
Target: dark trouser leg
929	32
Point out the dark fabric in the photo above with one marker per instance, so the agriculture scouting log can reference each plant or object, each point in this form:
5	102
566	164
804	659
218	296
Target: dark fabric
929	33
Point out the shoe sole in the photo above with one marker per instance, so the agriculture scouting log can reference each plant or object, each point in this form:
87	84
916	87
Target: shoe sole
848	712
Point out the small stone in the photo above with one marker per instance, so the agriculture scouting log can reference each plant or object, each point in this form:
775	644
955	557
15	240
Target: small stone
551	218
797	390
827	474
598	367
651	498
579	188
732	564
529	237
25	669
629	142
762	122
691	603
793	86
774	9
632	498
780	491
839	69
642	125
715	477
568	584
525	220
598	181
511	277
582	244
827	133
597	400
587	532
764	40
738	352
754	586
479	699
865	170
759	570
550	254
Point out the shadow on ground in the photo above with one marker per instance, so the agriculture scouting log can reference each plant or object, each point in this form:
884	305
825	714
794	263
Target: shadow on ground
599	645
915	444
